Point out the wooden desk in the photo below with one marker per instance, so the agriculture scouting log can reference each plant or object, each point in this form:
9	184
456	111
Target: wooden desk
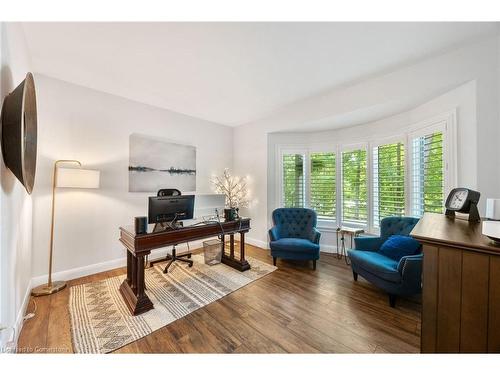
461	287
140	245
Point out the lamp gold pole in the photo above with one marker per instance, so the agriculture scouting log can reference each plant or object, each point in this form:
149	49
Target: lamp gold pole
52	286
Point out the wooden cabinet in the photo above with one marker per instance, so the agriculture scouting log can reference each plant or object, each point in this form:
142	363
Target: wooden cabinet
461	287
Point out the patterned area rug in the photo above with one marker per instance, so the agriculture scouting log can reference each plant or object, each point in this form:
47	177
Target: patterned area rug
101	322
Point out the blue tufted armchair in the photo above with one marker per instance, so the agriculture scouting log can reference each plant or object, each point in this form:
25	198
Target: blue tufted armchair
294	235
398	278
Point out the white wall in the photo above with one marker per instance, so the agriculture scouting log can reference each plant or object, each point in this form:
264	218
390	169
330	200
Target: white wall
15	203
422	81
75	122
462	100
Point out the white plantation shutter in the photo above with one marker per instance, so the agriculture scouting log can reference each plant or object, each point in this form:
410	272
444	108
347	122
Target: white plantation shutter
388	181
322	184
427	174
360	184
293	180
354	187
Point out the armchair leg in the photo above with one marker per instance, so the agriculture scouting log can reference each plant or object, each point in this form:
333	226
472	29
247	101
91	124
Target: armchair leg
274	261
355	275
314	265
392	300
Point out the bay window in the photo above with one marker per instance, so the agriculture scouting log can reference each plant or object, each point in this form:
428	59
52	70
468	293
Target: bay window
359	185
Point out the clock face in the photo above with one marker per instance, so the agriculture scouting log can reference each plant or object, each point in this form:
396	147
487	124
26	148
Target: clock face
465	201
458	199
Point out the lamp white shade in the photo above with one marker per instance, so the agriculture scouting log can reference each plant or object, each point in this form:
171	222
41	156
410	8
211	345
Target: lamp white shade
77	178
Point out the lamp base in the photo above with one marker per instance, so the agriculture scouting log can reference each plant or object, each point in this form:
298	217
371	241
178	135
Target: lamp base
46	289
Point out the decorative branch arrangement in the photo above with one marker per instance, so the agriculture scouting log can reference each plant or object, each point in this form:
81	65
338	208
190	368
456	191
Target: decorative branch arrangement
233	187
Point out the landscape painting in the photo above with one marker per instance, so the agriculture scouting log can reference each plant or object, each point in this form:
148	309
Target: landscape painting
156	164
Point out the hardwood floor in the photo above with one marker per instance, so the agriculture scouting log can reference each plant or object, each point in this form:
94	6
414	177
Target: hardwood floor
292	310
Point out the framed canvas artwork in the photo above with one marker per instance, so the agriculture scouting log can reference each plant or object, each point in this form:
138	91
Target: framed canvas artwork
156	164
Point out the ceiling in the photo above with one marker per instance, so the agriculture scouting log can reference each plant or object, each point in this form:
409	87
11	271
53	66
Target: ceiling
232	73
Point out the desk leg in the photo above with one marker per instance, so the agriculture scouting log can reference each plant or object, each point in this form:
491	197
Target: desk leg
132	288
242	248
231	246
223	243
133	283
140	278
239	264
129	268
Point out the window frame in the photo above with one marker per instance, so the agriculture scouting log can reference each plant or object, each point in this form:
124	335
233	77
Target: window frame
445	122
318	150
353	147
401	138
293	151
327	225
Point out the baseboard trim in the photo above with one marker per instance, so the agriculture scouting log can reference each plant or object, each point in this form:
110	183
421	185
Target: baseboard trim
77	272
18	325
91	269
328	248
256	242
265	245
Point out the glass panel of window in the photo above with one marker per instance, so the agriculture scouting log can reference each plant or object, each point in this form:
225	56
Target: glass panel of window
354	187
427	174
323	184
293	180
388	181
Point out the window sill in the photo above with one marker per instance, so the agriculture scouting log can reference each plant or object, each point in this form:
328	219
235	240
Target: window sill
327	229
325	225
354	224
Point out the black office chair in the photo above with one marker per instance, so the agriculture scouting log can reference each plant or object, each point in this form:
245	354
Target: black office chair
171	258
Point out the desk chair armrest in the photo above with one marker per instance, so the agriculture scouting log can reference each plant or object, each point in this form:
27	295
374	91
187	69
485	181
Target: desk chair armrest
368	243
274	234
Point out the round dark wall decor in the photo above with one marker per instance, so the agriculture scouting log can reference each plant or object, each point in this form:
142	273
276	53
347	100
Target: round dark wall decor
19	132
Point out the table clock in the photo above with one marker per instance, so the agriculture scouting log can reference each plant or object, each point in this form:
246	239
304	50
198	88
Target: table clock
465	201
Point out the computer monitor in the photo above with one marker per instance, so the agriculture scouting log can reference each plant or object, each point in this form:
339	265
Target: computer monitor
170	208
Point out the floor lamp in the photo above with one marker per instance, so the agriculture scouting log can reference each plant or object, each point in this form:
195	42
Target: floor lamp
65	178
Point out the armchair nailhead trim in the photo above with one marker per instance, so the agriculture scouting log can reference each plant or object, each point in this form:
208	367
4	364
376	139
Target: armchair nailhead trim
404	266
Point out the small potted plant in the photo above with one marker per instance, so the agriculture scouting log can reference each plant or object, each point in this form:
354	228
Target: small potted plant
235	190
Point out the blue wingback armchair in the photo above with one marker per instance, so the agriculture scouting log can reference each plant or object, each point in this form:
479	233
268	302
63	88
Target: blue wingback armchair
294	235
398	278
